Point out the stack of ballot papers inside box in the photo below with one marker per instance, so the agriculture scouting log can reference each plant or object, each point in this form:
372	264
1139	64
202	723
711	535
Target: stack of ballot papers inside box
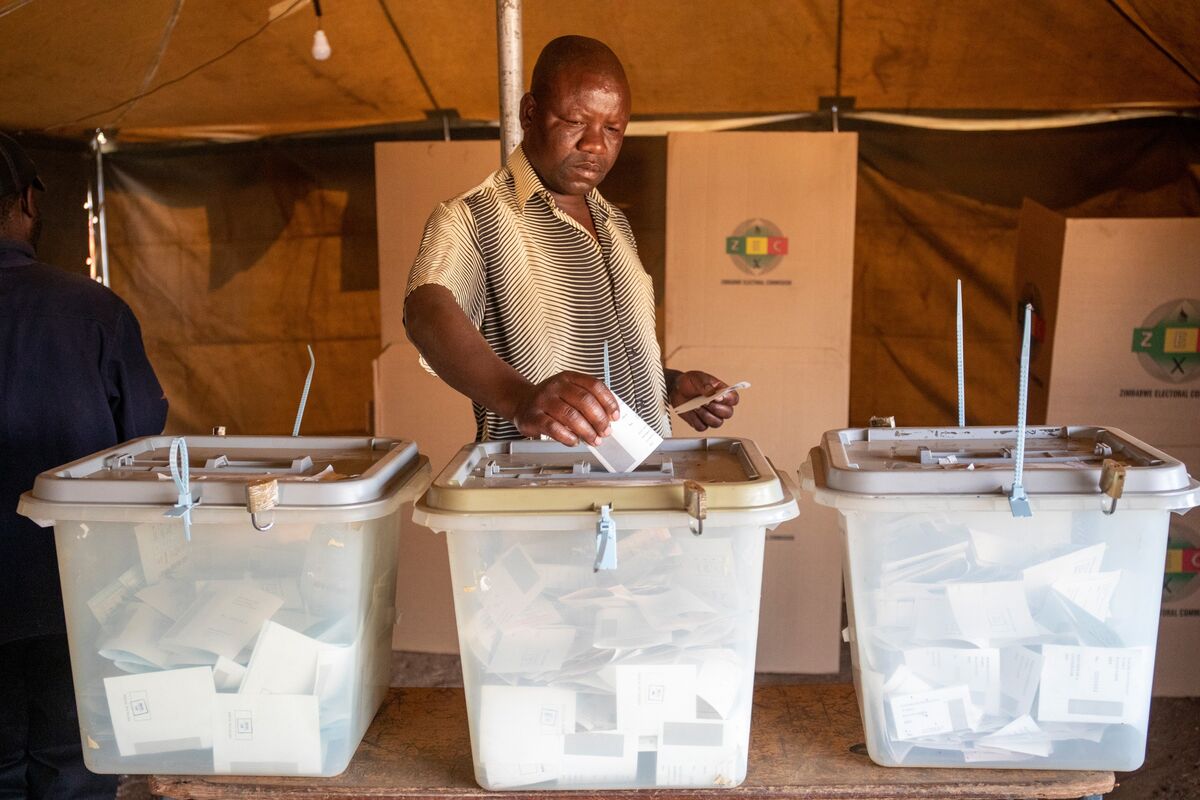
977	647
584	681
252	649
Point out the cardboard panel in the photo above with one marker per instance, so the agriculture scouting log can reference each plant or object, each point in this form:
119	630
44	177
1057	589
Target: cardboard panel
1120	276
411	179
800	620
775	313
799	187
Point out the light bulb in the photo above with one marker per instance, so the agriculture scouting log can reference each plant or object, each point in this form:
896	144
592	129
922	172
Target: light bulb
321	49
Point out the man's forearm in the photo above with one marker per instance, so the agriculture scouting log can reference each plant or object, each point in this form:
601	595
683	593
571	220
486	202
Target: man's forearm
458	352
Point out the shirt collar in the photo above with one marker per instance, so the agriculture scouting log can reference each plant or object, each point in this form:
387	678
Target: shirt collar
527	183
15	254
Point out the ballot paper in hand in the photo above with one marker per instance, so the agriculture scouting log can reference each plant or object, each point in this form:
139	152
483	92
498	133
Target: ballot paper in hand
161	712
264	734
629	441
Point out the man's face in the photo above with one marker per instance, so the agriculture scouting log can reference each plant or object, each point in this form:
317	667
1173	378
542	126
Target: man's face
573	136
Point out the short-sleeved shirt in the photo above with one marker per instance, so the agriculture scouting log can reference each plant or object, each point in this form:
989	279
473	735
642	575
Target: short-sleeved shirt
544	293
74	379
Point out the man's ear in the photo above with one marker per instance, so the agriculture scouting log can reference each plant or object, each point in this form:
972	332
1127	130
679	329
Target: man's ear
27	201
528	107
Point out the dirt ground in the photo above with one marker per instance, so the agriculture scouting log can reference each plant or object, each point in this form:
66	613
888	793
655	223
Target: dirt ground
1171	771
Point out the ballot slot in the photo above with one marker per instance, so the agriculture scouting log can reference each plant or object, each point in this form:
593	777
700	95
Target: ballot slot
983	639
235	651
636	675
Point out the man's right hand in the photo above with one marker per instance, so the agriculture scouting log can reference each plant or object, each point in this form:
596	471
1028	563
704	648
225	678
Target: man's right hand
567	407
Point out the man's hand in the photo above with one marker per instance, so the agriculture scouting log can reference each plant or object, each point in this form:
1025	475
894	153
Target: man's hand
683	386
567	407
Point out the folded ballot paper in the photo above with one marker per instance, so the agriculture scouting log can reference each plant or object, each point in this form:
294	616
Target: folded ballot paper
628	443
996	651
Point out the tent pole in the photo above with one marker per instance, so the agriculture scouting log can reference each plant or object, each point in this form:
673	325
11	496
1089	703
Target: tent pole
512	74
99	212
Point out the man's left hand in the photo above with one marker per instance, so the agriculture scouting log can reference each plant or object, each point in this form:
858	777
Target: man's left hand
683	386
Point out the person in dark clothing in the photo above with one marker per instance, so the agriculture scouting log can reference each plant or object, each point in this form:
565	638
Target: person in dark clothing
74	379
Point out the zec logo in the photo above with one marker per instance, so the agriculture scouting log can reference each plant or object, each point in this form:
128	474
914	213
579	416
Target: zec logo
1168	343
756	246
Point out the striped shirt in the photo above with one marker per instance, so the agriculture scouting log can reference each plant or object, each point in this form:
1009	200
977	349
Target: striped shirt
544	293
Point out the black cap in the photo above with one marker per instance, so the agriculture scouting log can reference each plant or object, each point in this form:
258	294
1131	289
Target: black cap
16	168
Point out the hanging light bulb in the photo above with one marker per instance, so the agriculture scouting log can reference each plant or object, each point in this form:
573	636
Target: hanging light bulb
321	49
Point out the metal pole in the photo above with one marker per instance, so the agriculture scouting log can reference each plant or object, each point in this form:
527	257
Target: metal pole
98	142
512	74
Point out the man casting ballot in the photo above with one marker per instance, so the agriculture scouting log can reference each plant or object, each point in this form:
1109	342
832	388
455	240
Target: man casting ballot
522	282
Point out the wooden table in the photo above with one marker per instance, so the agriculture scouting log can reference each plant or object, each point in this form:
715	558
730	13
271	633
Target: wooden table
805	743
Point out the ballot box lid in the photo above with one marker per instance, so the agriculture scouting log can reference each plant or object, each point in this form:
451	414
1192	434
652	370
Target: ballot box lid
1063	460
309	471
524	476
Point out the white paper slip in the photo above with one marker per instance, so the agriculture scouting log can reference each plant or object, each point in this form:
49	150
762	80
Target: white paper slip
136	640
169	597
943	563
599	758
264	734
228	674
703	400
160	547
1094	684
707	569
598	597
521	732
161	712
283	662
221	621
719	679
650	694
1068	618
695	754
626	629
509	585
104	603
629	441
977	668
985	755
935	619
1020	671
1022	735
531	651
933	713
673	608
993	612
1084	561
904	681
1092	592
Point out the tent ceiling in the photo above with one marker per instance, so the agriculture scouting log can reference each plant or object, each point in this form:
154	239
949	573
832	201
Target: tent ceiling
67	59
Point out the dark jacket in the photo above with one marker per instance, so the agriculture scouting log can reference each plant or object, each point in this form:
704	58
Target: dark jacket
74	379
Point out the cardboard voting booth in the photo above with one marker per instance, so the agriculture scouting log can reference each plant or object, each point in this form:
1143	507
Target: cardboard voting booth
760	248
1116	343
411	178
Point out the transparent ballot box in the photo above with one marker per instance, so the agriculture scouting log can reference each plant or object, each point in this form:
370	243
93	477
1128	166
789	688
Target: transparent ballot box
607	621
983	637
209	639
